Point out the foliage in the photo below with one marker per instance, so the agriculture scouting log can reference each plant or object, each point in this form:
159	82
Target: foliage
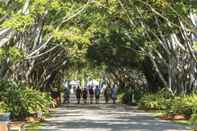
83	71
18	22
171	105
22	101
3	107
13	53
33	126
193	119
179	105
152	102
95	39
126	97
156	101
2	53
120	97
184	105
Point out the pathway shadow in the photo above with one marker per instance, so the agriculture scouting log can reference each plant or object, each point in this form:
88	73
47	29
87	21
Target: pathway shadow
107	117
129	123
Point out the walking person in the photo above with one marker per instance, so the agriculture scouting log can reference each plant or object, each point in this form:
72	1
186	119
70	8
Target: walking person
91	93
107	94
97	94
85	95
113	93
67	95
78	94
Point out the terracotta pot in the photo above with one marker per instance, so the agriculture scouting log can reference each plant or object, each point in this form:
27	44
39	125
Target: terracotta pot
181	117
175	117
3	126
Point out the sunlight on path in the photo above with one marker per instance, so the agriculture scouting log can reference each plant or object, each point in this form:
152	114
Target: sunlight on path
104	117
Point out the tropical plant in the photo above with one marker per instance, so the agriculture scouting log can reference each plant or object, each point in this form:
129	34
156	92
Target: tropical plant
22	101
184	105
152	102
3	107
158	101
193	119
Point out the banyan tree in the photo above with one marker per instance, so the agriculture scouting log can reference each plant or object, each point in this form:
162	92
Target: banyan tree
41	39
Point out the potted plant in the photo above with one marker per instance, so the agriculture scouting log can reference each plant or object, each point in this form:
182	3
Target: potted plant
4	114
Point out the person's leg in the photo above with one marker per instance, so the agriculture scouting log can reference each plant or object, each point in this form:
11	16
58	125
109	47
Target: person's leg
84	100
91	99
106	100
98	100
114	101
64	100
68	99
78	100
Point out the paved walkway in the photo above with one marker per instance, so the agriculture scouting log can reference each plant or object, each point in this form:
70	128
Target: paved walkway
105	117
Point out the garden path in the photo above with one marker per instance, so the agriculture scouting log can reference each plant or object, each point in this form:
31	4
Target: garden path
105	117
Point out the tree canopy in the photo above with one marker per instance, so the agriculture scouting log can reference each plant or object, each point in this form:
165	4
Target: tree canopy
132	43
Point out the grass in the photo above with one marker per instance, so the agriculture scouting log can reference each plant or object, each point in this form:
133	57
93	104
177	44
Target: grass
48	114
182	122
185	123
33	126
36	126
158	113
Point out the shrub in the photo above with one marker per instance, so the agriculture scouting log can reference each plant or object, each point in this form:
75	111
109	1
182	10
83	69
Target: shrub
3	107
179	105
125	98
184	105
191	101
157	101
120	97
35	100
171	105
129	96
193	119
152	102
22	101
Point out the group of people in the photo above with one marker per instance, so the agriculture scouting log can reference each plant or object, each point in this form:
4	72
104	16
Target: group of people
91	92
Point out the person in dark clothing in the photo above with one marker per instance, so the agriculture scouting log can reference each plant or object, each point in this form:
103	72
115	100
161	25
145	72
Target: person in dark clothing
91	93
85	95
66	95
78	94
114	94
107	94
97	94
